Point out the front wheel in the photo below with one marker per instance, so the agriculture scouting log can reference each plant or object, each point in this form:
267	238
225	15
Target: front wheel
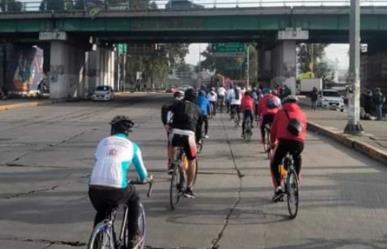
100	239
292	193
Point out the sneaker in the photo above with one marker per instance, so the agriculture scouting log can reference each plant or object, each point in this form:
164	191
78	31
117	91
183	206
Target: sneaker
170	169
189	194
278	195
206	136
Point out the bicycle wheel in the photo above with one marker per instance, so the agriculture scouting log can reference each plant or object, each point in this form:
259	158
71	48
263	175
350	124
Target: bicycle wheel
101	238
248	133
267	143
175	187
141	227
292	193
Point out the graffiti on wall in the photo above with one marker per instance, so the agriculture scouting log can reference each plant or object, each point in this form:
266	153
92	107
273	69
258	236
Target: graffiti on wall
26	69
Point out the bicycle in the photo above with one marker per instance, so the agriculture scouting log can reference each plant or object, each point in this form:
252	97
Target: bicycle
290	185
267	143
104	236
247	130
178	179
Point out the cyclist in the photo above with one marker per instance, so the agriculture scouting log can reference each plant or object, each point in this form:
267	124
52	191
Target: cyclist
221	95
177	96
235	101
289	130
247	106
268	106
108	185
183	120
204	107
213	98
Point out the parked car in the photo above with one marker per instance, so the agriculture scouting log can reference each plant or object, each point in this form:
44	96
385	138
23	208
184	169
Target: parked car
103	93
331	99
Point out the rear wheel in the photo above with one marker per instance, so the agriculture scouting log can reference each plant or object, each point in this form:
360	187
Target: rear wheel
266	145
248	132
292	193
141	227
175	187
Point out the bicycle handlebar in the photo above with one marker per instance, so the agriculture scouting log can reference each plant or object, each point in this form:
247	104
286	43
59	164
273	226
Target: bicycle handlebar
150	185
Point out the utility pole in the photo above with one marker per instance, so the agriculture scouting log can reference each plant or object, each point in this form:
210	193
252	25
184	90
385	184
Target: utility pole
353	125
248	67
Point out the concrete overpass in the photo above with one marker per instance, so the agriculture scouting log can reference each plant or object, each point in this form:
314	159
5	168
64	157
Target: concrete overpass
68	33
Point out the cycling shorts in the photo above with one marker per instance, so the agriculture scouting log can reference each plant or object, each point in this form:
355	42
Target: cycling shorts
187	142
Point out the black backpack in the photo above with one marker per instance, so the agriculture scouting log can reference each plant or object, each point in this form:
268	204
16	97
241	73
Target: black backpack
294	126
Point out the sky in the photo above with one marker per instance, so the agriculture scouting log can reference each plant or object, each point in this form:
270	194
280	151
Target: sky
333	52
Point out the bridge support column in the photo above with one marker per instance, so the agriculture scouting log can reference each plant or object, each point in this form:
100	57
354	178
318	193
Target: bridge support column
284	64
264	66
67	70
100	68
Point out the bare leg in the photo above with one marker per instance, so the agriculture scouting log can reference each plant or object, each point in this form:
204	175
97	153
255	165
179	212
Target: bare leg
191	173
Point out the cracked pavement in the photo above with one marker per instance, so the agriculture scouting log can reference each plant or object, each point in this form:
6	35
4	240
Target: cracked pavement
46	154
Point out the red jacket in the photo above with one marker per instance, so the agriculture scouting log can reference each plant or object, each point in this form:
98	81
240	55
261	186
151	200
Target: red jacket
262	106
279	126
247	103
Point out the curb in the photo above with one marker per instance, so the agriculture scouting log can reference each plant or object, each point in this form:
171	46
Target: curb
23	105
349	141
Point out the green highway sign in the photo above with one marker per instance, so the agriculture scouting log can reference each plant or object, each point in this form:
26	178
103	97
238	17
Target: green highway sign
122	48
229	47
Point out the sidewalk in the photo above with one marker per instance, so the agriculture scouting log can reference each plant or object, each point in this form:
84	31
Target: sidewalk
331	123
11	104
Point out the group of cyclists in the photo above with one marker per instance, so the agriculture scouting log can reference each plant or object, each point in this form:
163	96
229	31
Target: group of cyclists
183	120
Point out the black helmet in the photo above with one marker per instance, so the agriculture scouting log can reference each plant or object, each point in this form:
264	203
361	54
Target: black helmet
190	95
121	124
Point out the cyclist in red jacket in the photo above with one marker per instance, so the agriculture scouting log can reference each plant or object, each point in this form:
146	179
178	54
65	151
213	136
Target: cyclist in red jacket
289	131
247	106
268	106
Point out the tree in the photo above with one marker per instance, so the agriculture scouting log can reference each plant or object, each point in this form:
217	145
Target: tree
309	56
10	6
232	67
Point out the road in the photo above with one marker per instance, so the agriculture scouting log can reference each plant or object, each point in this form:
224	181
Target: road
46	154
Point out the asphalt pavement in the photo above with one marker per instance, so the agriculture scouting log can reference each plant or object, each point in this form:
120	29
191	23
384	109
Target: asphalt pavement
46	154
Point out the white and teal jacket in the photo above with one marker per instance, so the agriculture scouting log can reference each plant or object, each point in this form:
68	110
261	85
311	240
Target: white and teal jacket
115	155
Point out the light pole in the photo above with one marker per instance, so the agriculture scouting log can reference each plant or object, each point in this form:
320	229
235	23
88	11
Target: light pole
248	67
353	125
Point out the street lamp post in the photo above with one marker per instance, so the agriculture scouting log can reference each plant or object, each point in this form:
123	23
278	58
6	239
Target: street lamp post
353	125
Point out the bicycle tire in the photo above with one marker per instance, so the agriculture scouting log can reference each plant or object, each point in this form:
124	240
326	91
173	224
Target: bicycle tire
248	132
174	192
142	227
292	192
267	143
100	238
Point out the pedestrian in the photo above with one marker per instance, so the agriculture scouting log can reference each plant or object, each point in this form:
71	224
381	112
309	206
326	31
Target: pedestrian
367	98
221	95
285	92
313	98
379	99
212	97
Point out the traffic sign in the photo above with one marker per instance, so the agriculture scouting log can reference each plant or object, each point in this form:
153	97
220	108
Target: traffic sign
229	47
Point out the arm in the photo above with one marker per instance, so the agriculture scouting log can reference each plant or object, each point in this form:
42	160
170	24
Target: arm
139	164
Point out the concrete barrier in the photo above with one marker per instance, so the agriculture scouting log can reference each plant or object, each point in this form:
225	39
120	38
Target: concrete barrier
350	141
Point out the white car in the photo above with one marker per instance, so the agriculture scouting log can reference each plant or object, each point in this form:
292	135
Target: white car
331	99
104	93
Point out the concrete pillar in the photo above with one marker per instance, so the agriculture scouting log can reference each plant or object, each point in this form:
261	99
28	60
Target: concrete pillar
373	70
284	64
100	68
67	68
264	65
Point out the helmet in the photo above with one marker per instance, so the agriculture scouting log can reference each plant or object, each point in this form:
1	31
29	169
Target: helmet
121	124
290	99
190	95
179	95
266	90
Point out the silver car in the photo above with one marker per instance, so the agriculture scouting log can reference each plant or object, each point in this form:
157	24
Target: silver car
103	93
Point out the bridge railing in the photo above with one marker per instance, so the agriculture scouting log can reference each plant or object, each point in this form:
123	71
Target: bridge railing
20	6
